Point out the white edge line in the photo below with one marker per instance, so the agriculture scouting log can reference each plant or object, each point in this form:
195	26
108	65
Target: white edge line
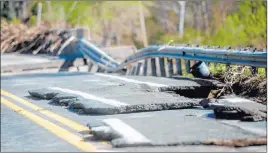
92	97
126	131
131	80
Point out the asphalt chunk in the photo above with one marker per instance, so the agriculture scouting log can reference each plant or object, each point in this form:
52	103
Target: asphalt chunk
238	113
137	108
43	94
64	99
104	133
83	106
232	107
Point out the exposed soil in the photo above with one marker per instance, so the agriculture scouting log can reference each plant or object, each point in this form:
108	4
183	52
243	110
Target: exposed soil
253	88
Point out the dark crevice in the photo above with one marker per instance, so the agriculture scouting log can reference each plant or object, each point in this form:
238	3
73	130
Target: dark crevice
188	91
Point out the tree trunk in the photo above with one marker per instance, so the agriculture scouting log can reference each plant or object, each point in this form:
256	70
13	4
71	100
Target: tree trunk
182	14
196	21
205	16
2	6
143	27
24	9
39	14
11	13
49	9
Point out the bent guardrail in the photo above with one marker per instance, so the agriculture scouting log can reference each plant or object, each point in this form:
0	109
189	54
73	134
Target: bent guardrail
82	49
166	67
97	55
166	60
258	59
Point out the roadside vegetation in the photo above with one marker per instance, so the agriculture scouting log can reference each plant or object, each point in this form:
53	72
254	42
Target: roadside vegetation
218	23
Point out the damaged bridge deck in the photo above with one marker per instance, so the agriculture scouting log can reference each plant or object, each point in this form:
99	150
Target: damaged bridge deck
109	112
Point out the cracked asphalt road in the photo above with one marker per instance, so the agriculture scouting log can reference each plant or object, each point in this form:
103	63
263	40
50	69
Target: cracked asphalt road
19	133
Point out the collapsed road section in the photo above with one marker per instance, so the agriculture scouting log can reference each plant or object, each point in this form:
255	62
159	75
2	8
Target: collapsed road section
135	112
167	132
133	97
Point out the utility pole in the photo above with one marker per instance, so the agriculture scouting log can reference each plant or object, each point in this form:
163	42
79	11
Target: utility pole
143	27
181	21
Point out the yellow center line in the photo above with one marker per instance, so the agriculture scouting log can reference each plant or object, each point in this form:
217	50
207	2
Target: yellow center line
57	130
73	125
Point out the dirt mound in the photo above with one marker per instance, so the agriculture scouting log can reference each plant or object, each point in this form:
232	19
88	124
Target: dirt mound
253	88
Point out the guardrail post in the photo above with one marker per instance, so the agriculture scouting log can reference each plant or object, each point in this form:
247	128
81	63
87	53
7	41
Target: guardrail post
215	65
178	67
129	68
145	65
253	70
94	68
90	64
138	68
149	67
239	68
133	70
141	68
166	66
170	67
228	66
66	65
153	66
158	73
187	65
162	67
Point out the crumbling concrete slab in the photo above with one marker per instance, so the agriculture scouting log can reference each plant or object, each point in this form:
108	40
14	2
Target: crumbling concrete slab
43	94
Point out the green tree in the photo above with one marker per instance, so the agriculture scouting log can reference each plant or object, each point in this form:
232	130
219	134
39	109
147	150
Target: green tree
246	26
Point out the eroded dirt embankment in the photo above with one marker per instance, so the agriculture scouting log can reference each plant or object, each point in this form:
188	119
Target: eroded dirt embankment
253	88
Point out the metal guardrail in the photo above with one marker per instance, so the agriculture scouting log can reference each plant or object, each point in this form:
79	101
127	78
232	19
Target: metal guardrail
257	59
98	56
81	48
163	57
